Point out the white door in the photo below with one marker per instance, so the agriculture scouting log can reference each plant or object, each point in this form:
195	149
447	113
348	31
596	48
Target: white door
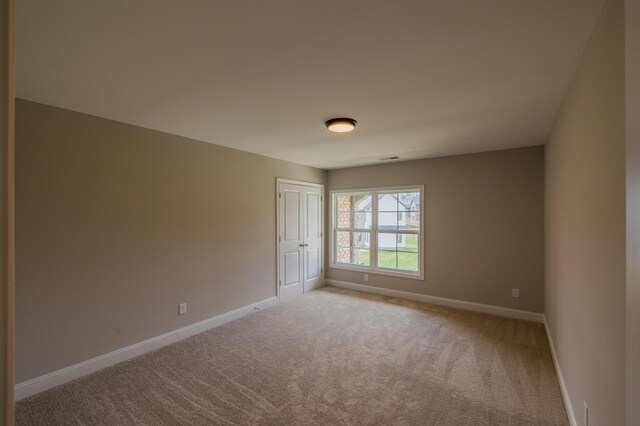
312	227
299	239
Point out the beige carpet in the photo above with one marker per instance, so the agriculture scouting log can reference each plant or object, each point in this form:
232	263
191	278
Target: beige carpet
331	357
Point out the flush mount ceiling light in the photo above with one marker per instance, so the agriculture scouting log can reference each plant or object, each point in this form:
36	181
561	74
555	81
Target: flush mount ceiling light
341	125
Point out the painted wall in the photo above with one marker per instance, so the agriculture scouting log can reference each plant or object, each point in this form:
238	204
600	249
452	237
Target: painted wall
118	224
632	58
484	225
6	208
585	227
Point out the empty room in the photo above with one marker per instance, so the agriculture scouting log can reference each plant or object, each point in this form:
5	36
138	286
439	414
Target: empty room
320	213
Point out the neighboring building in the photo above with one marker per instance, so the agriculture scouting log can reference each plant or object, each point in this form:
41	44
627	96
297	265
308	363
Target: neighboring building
396	212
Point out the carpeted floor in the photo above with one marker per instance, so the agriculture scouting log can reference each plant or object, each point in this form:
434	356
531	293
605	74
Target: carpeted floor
330	357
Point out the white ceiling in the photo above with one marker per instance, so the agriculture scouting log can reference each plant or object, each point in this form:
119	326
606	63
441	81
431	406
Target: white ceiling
424	78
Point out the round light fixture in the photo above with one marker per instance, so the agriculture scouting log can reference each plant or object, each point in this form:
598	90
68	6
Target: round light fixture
341	125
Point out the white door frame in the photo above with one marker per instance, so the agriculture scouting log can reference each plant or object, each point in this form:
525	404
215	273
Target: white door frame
303	183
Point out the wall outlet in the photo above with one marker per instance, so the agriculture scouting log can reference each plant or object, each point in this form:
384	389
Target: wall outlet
515	292
585	420
366	277
182	308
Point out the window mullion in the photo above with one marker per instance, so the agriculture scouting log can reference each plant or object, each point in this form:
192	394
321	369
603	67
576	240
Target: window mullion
399	231
374	231
334	221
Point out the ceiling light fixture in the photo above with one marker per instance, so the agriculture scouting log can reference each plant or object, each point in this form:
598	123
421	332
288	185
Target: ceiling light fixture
341	125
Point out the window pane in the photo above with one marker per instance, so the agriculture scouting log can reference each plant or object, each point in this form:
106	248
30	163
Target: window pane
362	220
409	220
353	248
409	201
362	257
408	242
388	220
354	211
353	256
387	241
408	261
344	220
388	202
398	251
387	259
353	239
349	203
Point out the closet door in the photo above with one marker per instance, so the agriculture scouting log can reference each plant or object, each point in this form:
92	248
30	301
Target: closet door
300	239
291	241
312	228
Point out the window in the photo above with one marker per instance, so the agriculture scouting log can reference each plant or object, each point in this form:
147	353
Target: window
379	230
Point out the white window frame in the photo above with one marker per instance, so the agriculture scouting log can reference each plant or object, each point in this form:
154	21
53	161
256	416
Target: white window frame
373	232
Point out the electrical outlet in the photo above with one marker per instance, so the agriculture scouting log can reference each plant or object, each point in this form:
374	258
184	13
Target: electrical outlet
515	292
366	277
182	308
585	421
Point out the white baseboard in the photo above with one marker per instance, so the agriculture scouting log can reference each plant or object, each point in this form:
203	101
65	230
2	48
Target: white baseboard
563	386
443	301
48	381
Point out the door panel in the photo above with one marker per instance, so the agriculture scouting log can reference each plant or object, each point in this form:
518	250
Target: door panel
312	267
291	269
312	210
291	215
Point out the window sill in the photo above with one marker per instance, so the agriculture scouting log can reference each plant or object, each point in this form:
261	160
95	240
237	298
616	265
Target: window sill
374	271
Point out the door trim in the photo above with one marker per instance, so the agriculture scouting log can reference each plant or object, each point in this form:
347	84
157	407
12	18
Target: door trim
277	236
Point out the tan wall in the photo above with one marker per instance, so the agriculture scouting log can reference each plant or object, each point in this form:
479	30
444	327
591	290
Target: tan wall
483	225
585	232
6	212
632	58
118	224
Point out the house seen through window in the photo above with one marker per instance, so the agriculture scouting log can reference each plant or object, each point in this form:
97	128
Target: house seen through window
379	230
